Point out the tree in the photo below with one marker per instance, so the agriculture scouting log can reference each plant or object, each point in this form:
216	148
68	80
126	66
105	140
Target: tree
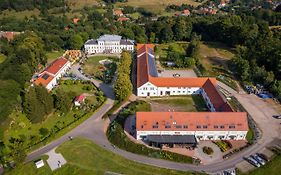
123	87
75	42
32	108
63	100
43	132
45	99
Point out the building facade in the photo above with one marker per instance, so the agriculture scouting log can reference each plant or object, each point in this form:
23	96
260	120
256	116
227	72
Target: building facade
202	125
108	44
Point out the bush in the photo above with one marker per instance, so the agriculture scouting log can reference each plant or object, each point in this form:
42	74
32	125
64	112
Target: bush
208	150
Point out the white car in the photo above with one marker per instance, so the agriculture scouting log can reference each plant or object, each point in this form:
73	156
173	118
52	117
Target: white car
258	159
253	162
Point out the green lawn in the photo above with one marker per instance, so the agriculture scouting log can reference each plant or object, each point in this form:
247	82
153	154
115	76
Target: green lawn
51	56
87	158
250	135
156	6
19	14
94	68
184	104
2	58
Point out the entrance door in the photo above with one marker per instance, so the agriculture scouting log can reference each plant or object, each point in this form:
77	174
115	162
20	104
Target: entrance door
148	94
168	92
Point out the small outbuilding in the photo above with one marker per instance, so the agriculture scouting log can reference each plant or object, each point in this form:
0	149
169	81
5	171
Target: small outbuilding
79	100
39	163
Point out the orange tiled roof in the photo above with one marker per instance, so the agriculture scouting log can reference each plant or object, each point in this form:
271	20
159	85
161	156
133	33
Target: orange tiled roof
122	19
75	20
208	84
56	65
44	79
207	121
118	12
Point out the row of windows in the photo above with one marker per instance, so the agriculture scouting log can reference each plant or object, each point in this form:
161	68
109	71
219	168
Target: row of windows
198	126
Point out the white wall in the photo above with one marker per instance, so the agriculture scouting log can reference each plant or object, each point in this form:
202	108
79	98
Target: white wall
149	89
208	101
114	46
200	135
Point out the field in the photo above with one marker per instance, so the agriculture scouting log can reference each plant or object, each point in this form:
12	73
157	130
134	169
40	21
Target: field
181	104
84	157
156	6
74	4
2	58
51	56
20	14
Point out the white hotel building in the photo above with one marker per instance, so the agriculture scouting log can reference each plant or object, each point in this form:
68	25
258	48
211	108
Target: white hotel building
108	44
179	127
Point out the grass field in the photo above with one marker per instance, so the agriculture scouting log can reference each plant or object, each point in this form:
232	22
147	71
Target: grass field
156	6
2	58
51	56
20	14
84	157
74	4
180	104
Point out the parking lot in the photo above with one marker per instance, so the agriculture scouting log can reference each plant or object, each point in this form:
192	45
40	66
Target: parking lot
177	73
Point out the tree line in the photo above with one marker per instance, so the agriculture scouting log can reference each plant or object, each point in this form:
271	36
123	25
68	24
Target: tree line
123	86
20	5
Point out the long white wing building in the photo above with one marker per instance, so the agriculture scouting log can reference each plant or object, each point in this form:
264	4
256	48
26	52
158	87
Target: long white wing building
108	44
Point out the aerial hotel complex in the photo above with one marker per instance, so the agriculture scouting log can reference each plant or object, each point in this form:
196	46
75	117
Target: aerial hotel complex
49	76
183	127
108	44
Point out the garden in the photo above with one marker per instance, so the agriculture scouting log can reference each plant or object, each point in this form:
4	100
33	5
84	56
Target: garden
24	134
117	136
224	145
101	67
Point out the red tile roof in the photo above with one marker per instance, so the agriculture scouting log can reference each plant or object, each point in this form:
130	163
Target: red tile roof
208	84
44	79
75	20
207	121
118	12
56	65
216	98
80	98
122	19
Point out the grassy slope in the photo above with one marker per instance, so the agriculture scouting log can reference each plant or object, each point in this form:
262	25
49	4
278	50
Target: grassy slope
86	158
20	14
53	55
157	6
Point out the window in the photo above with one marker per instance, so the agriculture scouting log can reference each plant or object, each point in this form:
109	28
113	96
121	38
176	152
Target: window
198	126
216	126
222	126
141	126
155	126
168	126
178	126
231	126
205	126
185	126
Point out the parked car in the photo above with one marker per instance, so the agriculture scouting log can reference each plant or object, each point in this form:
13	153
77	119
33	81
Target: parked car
277	116
264	157
253	161
258	159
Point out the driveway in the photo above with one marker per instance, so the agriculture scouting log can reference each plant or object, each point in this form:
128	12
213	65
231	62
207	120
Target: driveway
94	129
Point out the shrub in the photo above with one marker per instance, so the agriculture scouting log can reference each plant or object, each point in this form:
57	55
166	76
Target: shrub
208	150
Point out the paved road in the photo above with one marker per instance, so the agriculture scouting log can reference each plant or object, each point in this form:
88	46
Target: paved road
94	129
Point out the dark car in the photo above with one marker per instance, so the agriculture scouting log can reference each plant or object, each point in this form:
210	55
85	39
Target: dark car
277	116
